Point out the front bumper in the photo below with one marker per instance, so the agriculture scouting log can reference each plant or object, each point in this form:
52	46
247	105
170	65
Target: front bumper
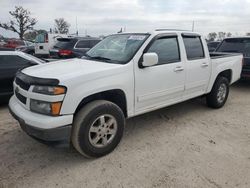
41	126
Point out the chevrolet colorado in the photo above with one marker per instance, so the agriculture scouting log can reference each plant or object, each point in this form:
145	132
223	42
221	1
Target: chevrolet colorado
87	100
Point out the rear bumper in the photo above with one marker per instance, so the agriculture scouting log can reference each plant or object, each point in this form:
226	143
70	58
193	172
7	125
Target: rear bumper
54	132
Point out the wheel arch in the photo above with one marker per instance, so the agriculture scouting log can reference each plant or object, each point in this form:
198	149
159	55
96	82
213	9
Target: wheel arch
117	96
227	74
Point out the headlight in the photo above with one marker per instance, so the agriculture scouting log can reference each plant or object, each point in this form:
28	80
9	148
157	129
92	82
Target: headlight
49	90
48	108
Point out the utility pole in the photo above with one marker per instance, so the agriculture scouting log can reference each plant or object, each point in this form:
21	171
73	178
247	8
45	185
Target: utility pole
193	26
76	27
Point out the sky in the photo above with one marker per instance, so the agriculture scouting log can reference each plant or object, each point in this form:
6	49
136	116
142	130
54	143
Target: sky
103	17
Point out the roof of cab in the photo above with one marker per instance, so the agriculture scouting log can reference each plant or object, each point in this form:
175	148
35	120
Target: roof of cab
162	31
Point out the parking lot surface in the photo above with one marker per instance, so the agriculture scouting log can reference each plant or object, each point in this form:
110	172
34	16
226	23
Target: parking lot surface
185	145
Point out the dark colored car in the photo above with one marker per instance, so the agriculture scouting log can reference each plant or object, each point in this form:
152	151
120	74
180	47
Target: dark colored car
72	47
212	46
238	45
10	63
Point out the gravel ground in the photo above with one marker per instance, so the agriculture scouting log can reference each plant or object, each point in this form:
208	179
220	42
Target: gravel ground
186	145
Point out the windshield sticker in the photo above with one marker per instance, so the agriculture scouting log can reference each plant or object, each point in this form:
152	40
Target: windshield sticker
136	37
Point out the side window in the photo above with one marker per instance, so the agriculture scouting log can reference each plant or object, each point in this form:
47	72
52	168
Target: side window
167	50
93	43
82	44
10	60
194	48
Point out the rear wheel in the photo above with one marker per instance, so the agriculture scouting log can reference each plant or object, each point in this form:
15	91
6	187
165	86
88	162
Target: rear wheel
98	128
219	94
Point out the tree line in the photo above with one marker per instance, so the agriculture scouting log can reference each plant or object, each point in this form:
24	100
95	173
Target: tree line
220	36
23	24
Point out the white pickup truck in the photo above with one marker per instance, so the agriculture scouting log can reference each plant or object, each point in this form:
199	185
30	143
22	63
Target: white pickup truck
87	100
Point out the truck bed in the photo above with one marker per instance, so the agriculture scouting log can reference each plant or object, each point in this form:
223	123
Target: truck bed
227	61
216	55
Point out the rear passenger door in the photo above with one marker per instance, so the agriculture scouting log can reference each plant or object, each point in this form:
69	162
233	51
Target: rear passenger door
198	66
9	65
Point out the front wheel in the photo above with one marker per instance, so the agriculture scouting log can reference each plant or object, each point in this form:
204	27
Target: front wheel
219	94
98	128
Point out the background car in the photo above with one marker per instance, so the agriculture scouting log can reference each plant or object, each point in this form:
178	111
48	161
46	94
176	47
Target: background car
73	47
238	45
10	63
213	45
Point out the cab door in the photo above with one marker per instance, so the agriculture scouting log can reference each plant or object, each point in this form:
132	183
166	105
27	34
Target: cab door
163	84
198	66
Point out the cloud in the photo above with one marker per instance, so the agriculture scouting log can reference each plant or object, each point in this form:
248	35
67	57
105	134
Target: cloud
105	17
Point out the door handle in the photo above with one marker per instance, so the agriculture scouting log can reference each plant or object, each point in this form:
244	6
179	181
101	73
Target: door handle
204	65
178	69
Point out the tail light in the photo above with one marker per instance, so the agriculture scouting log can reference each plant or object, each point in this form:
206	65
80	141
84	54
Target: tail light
243	62
46	38
65	52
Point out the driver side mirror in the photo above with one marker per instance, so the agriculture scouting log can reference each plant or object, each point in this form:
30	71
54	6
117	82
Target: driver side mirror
150	59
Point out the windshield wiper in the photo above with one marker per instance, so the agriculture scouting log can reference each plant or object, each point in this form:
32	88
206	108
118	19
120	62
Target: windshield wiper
100	58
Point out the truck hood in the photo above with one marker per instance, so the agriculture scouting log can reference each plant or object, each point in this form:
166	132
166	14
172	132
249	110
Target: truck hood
71	68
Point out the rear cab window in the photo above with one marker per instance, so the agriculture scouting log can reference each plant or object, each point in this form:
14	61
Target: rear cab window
65	43
42	38
194	47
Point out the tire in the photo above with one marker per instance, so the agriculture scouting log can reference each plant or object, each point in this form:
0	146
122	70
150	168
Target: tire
106	120
219	94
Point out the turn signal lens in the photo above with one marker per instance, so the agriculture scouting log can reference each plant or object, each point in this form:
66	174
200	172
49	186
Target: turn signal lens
59	90
243	62
55	108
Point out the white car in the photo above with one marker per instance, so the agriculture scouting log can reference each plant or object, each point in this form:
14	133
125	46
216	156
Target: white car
87	100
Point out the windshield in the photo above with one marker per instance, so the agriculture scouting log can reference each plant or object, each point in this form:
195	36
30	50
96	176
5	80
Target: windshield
240	45
118	48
